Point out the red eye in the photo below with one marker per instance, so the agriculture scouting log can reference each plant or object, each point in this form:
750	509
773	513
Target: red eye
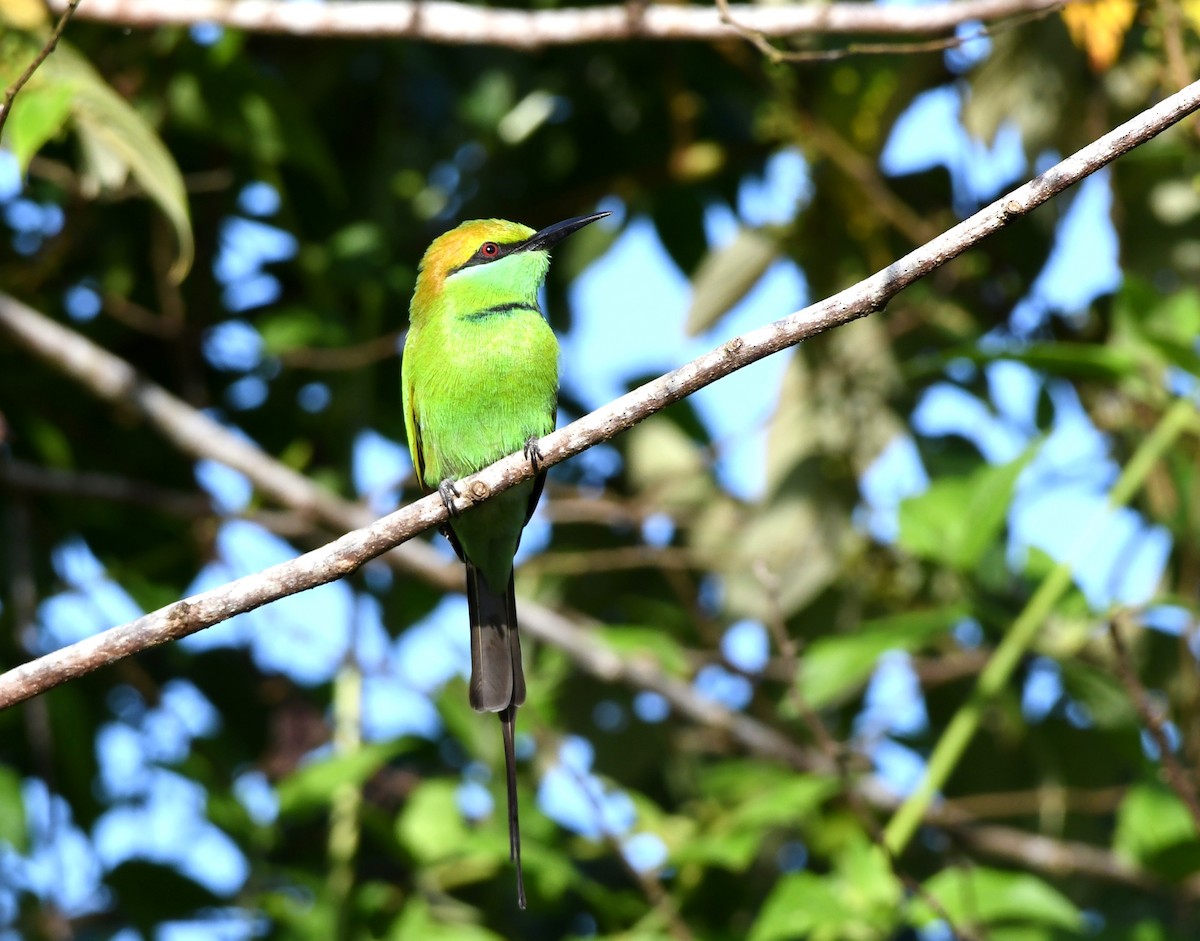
489	249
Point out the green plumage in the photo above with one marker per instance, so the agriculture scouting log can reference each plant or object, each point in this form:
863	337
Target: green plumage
480	380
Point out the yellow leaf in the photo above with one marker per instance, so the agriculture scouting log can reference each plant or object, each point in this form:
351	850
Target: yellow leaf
1191	13
1099	27
24	14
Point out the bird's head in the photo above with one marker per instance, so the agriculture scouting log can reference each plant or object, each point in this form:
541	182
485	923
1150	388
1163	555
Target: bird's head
488	261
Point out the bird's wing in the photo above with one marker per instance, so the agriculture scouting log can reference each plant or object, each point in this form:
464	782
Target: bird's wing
416	447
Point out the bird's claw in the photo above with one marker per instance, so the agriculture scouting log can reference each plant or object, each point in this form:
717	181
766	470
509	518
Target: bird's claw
532	451
449	492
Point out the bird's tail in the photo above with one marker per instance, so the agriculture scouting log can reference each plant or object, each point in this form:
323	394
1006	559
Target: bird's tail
498	683
497	679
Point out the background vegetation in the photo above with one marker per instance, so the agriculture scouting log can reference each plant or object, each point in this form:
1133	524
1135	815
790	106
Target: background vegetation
766	673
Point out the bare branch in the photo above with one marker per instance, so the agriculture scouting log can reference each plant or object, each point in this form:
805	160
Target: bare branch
761	40
196	434
1151	718
343	357
444	21
33	478
67	10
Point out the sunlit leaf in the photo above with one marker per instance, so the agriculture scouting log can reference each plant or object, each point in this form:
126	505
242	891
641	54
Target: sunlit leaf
858	901
39	113
24	14
836	666
1154	828
118	144
1099	28
311	787
958	519
431	826
633	641
12	810
980	895
418	923
800	904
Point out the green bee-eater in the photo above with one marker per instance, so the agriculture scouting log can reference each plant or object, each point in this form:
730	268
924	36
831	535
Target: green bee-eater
480	378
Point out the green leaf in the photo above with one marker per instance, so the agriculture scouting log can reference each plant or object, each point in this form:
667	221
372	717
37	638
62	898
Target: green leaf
1106	700
312	786
12	810
39	113
1059	358
983	896
957	519
859	900
799	904
759	797
732	850
288	328
1154	828
417	923
431	826
649	642
117	144
834	667
726	275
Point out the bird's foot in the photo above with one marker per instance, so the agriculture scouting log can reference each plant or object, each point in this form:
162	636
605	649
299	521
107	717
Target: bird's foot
532	451
448	492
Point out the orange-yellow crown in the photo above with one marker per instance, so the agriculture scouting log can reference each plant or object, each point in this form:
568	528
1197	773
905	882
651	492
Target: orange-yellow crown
453	249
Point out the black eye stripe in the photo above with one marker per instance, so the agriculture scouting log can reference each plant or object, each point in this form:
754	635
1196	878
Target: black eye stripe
482	257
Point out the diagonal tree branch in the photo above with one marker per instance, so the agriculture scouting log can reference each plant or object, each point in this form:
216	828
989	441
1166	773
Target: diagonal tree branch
346	554
196	434
446	21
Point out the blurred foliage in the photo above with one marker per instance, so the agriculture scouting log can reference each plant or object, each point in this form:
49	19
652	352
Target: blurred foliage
140	149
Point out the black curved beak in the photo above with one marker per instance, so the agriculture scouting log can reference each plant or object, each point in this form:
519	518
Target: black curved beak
550	236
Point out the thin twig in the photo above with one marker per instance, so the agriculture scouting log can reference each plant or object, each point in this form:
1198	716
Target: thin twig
759	39
441	21
11	93
615	559
23	477
343	357
1152	719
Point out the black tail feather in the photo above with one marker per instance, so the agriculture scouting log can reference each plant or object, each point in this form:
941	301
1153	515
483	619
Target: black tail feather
498	683
508	719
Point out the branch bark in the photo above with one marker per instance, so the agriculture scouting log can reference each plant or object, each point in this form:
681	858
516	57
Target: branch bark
445	21
196	434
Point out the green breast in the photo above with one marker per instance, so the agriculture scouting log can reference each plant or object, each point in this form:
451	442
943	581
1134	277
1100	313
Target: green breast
489	381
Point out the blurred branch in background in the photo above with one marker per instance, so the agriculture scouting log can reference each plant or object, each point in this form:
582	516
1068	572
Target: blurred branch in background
90	485
1181	782
735	18
442	21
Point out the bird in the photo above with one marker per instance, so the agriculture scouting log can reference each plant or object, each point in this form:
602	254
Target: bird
479	377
